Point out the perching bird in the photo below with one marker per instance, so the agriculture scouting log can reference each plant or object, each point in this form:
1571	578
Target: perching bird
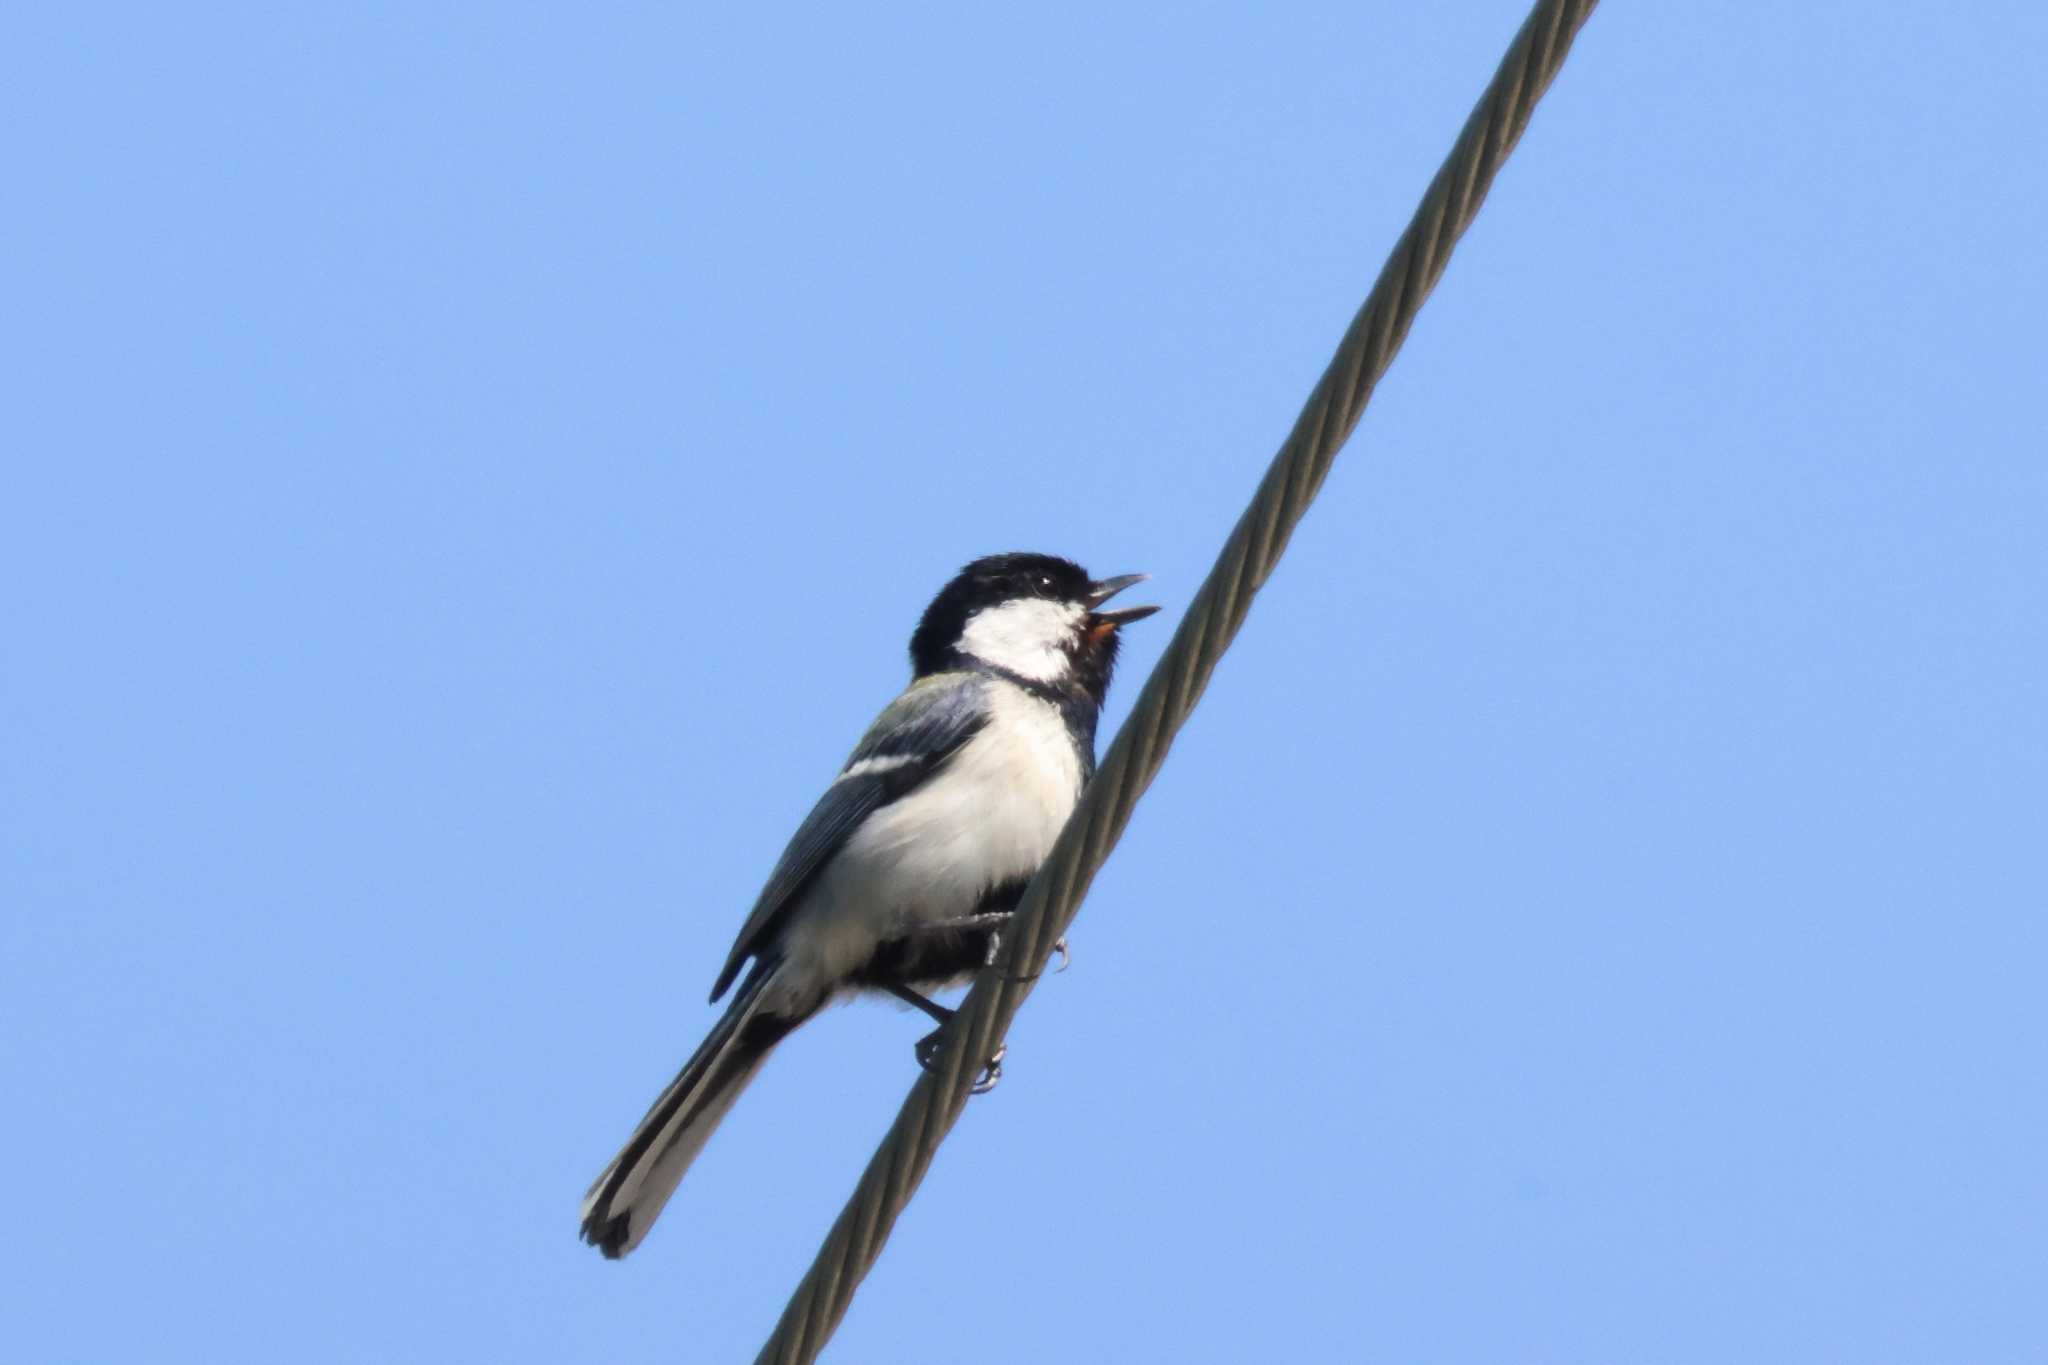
904	872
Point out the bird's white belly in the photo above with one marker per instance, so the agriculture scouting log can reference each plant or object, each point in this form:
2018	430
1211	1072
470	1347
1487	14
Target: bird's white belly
989	816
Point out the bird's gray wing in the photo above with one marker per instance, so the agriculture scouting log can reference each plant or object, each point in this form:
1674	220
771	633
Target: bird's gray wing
911	740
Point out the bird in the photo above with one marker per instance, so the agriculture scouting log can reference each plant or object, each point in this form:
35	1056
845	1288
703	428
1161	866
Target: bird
900	879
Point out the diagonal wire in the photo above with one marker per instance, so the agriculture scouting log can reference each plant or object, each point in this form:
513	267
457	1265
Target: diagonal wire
1176	684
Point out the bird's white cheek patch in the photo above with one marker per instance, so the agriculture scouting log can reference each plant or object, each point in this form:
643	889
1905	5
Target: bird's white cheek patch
1029	637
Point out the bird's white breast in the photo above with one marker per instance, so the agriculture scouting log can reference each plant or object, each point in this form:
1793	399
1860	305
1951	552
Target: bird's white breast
990	815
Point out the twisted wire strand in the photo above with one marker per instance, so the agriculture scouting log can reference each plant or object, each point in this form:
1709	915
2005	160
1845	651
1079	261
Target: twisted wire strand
1169	695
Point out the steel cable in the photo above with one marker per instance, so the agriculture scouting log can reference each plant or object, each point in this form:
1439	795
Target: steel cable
1177	681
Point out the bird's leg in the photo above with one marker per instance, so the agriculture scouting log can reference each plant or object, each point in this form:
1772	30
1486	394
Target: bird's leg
927	1049
993	920
948	931
928	1046
910	997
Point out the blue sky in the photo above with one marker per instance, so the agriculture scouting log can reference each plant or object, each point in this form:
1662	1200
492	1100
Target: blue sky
472	472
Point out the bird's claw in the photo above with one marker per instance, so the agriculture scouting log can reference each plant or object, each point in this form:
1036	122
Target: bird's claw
991	1072
1066	960
929	1047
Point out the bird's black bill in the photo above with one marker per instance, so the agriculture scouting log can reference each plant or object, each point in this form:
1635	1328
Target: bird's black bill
1102	591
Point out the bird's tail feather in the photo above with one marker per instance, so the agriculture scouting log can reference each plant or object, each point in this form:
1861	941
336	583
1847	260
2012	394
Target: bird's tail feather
626	1198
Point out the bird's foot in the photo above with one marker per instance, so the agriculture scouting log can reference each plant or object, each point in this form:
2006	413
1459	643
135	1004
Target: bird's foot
1059	946
929	1047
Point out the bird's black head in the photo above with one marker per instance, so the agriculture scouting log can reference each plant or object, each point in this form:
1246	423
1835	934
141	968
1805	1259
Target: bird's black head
1032	616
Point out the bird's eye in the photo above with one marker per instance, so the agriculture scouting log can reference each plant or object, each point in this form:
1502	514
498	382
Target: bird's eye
1045	584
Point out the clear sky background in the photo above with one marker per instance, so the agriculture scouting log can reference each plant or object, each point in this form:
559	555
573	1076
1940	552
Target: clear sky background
471	472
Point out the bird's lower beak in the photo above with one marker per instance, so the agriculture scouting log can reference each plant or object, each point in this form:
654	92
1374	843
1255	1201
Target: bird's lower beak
1101	592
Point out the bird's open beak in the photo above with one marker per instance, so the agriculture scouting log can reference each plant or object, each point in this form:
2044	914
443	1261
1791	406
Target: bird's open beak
1101	592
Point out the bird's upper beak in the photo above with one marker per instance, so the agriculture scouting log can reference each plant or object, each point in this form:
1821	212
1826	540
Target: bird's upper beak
1102	591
